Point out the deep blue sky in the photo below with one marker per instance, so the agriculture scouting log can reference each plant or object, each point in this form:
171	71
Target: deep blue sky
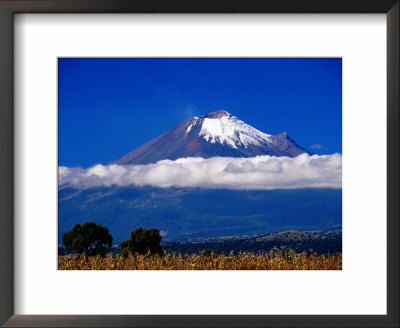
108	107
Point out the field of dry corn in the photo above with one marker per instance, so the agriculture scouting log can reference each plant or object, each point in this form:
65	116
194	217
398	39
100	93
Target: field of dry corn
274	260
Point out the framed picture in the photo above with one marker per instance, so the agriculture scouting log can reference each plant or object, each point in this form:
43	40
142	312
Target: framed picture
165	166
173	194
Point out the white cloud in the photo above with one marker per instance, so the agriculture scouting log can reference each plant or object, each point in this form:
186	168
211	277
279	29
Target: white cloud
261	172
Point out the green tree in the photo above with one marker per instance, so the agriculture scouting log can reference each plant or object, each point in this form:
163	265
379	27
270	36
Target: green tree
89	238
142	241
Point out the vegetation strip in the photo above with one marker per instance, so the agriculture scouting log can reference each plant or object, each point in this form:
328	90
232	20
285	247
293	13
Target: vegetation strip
274	260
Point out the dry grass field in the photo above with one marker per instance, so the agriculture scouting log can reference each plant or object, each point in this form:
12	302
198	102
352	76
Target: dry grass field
274	260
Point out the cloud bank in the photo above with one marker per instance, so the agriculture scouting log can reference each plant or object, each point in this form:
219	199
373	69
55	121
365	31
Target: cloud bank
255	173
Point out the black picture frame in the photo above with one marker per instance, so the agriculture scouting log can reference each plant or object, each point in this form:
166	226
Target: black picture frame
10	7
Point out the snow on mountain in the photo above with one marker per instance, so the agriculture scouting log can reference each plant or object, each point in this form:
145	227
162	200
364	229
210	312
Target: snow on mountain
224	128
215	134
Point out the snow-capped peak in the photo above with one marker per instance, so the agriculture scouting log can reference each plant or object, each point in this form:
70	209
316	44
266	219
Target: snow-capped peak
215	134
224	128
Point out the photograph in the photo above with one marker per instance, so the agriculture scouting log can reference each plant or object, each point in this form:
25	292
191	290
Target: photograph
199	163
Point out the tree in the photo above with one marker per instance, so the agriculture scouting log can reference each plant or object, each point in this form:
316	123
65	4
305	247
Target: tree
89	238
142	241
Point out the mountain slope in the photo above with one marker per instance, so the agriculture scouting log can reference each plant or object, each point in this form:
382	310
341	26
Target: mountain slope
214	134
182	213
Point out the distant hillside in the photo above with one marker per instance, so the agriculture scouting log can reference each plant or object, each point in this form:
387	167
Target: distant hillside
321	242
183	213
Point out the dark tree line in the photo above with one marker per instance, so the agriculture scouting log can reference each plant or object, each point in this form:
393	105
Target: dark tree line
94	239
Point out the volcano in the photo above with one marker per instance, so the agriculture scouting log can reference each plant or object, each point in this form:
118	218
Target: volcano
217	133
